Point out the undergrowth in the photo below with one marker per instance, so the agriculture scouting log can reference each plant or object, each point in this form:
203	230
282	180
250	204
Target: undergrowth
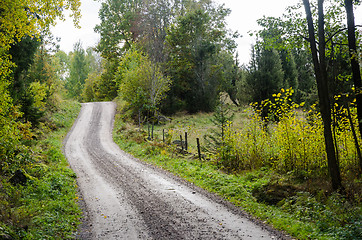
45	206
295	198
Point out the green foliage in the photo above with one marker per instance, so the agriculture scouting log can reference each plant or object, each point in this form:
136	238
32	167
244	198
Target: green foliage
28	87
307	89
118	26
281	104
60	63
222	117
90	92
34	79
78	72
194	42
229	73
188	40
22	54
290	79
84	82
45	207
41	86
99	84
141	82
265	74
337	217
107	87
124	23
13	134
294	143
301	214
247	148
20	19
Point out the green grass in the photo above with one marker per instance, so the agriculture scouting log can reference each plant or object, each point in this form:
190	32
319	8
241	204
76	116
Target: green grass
303	215
46	206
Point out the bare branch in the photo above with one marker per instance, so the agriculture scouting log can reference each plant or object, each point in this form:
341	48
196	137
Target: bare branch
340	30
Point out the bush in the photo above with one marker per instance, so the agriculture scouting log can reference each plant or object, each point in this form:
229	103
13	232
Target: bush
294	143
45	206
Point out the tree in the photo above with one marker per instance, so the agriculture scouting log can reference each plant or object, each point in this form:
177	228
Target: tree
230	74
96	87
42	84
356	72
107	87
320	69
290	78
60	62
119	26
328	53
273	37
142	84
193	43
29	18
22	55
156	19
221	118
265	78
145	22
18	19
306	83
265	74
78	72
90	91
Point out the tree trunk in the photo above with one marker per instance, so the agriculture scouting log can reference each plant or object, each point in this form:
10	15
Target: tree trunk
356	73
323	93
359	154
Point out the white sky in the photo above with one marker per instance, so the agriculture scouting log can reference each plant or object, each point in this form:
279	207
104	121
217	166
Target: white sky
244	14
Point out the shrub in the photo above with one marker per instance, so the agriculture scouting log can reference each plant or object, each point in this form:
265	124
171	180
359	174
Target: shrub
293	143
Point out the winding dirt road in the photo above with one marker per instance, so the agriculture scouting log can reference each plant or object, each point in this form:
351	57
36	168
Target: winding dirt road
125	198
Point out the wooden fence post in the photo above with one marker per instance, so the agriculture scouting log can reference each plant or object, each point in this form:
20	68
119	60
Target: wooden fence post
148	130
186	141
152	131
198	148
182	146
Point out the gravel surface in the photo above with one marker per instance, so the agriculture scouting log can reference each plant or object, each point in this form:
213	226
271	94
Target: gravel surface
124	198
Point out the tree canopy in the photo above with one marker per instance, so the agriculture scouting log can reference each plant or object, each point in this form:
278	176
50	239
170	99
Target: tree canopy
22	22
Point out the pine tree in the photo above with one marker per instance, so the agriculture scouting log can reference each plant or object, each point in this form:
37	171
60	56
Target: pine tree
222	117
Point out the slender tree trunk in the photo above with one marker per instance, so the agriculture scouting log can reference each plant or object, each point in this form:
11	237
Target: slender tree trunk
356	72
323	93
359	154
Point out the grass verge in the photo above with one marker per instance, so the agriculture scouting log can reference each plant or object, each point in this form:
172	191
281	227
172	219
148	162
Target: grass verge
301	215
46	206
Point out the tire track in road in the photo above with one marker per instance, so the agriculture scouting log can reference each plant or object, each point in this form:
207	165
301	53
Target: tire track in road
128	199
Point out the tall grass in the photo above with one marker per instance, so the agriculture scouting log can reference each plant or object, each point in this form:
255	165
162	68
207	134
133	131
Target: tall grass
294	143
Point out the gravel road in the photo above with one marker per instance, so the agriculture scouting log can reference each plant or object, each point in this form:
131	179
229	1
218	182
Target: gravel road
125	198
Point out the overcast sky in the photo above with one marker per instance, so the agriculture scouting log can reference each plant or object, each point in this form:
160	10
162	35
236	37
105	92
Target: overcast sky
242	19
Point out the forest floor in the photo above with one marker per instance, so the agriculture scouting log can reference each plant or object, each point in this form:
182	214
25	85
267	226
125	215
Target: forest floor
126	198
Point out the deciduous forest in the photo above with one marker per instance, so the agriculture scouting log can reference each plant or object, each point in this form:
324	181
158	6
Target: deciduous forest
280	136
